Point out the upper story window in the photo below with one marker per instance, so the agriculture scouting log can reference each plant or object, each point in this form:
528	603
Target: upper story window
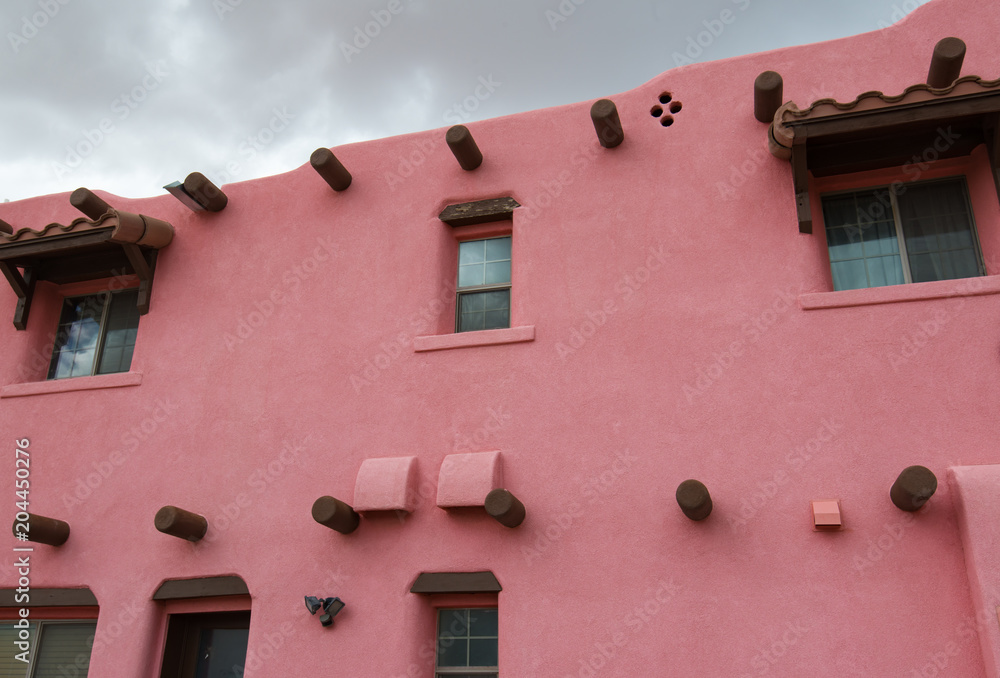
467	643
483	284
96	335
902	233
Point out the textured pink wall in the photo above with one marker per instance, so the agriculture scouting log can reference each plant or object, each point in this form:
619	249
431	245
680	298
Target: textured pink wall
662	279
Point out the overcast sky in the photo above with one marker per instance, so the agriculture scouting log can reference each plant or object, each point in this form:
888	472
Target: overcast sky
127	96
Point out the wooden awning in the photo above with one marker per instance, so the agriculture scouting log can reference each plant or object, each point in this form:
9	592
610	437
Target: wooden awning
116	243
876	131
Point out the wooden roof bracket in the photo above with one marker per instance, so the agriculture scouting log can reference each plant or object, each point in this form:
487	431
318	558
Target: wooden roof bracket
24	288
144	264
991	133
800	181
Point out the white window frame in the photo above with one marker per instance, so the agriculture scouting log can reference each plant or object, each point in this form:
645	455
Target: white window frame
474	289
897	222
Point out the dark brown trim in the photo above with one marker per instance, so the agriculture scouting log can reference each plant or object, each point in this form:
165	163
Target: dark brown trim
205	193
43	530
456	582
81	597
205	587
479	212
800	182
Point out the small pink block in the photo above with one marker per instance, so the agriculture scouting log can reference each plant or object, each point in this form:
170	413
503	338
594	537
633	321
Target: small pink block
388	484
466	479
826	514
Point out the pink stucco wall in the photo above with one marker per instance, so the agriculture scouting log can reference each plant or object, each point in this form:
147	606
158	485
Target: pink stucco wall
663	281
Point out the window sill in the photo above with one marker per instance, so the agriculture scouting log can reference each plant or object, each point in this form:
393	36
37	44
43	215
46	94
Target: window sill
938	289
72	384
441	342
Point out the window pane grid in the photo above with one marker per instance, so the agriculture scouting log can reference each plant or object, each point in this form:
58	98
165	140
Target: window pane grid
484	277
920	233
96	335
467	642
58	649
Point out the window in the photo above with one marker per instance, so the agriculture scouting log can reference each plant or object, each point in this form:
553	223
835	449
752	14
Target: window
467	643
55	649
905	233
483	284
96	335
206	644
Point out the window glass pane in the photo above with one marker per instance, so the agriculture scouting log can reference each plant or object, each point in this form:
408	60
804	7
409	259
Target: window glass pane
884	271
879	238
483	622
9	666
496	320
471	275
64	649
497	249
222	653
83	363
845	243
497	272
474	302
120	333
483	652
453	651
472	252
937	226
497	299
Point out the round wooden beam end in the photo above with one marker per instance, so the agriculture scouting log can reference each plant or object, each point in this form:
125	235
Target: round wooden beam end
768	90
180	523
946	62
332	170
89	203
914	486
464	147
42	530
694	499
335	514
607	124
505	508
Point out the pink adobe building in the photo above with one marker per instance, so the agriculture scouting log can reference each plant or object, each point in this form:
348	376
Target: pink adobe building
449	391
